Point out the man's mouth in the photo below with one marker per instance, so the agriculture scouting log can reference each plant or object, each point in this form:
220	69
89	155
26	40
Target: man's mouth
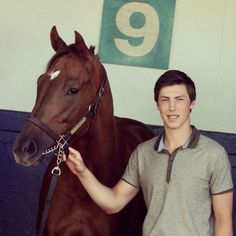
172	117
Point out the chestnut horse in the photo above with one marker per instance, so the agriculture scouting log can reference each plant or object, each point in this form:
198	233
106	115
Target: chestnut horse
74	99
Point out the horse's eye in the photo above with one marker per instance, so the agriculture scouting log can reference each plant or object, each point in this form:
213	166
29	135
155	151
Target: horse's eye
72	91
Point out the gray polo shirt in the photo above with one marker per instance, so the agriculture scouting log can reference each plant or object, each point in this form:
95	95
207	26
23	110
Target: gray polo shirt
177	187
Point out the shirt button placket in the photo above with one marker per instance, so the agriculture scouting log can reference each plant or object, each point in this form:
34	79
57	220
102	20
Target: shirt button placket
169	167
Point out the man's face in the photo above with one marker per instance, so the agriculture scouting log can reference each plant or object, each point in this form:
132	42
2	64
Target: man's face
174	106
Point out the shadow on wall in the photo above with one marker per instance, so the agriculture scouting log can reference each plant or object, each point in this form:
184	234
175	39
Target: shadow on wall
20	186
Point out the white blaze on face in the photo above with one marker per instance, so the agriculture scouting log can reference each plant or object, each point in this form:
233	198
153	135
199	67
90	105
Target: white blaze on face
54	74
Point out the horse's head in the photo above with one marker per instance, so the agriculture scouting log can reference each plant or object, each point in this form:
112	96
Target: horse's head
68	95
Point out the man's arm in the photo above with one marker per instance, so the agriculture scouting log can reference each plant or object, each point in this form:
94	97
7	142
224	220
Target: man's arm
111	200
222	207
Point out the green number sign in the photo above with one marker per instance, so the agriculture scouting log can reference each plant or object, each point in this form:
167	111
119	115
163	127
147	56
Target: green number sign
137	33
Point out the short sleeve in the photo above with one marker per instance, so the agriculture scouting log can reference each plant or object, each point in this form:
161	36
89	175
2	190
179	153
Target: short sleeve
131	174
221	177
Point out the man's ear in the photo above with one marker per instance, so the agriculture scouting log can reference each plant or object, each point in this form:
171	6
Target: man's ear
157	106
192	105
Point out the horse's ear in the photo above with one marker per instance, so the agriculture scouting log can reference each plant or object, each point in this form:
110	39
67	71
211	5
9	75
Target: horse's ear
80	44
56	41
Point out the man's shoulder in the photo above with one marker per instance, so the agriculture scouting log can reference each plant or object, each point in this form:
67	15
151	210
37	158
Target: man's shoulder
146	146
209	141
210	144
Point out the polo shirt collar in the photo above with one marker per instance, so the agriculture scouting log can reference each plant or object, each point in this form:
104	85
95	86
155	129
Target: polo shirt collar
191	142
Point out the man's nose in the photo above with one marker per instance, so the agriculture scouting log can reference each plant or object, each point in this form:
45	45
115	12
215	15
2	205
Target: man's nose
172	105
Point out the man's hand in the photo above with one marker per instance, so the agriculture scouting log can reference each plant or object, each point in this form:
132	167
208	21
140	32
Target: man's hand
75	162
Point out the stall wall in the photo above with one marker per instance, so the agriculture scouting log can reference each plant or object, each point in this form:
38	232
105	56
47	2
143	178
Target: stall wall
203	45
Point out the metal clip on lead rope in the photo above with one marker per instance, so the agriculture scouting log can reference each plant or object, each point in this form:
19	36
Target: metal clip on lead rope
56	171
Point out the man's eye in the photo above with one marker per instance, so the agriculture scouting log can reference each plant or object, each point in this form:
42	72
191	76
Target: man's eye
72	91
164	100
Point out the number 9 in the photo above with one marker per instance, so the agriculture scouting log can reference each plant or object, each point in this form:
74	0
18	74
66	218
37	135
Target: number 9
149	31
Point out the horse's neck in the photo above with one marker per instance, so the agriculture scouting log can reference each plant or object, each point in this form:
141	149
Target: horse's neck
100	138
99	144
98	149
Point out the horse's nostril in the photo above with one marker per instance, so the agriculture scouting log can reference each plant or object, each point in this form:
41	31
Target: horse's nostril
30	148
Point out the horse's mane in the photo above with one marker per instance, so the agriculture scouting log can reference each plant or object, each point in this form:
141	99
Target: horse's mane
69	49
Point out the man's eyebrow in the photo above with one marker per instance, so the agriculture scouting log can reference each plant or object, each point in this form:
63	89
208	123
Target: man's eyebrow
180	96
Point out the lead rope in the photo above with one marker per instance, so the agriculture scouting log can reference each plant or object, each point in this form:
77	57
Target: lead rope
47	203
56	171
62	146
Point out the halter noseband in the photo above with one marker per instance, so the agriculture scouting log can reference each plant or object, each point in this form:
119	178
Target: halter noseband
62	141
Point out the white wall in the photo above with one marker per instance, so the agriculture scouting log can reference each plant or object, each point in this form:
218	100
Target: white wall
203	45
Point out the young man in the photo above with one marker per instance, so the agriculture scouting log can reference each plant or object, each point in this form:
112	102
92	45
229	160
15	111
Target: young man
185	177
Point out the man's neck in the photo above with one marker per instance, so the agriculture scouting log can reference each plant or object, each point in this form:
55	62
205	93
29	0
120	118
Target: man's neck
175	138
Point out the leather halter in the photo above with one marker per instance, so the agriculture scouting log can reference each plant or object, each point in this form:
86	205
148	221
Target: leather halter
63	140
